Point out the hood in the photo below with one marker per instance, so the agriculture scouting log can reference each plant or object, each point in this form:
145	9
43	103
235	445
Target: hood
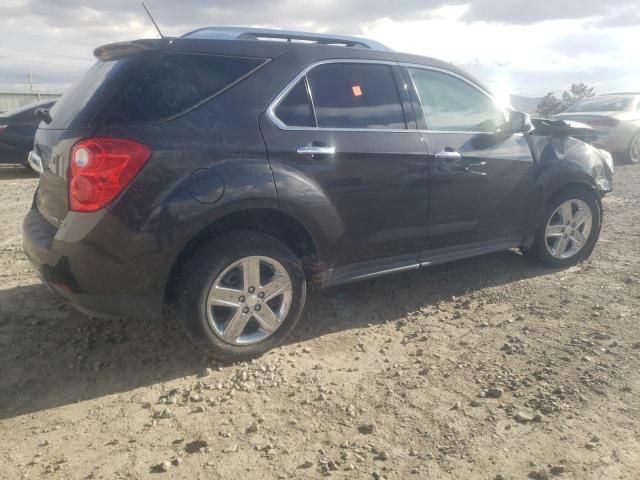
556	148
560	128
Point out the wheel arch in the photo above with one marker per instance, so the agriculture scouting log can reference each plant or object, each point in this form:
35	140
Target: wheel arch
548	190
276	223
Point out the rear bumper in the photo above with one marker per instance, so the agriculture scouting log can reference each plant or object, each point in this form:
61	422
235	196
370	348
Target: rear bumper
94	280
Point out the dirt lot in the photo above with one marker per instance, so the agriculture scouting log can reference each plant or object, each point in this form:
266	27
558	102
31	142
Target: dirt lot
489	368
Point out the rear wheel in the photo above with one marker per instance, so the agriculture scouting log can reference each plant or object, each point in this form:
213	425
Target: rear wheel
633	152
239	295
570	229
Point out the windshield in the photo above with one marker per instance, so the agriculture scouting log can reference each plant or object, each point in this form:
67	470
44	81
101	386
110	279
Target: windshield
602	104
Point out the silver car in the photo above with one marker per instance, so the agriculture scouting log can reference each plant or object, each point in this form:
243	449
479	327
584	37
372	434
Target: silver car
616	119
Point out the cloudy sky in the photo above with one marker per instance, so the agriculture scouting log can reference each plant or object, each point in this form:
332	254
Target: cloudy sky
529	47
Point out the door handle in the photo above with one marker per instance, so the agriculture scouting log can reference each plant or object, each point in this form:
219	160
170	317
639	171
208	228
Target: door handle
316	150
448	155
479	164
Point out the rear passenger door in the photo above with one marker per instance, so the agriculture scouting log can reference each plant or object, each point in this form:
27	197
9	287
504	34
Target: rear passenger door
345	152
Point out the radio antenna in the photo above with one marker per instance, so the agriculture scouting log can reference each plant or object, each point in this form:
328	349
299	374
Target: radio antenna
151	17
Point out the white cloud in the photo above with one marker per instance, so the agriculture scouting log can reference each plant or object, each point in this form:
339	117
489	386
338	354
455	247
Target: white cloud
533	59
501	43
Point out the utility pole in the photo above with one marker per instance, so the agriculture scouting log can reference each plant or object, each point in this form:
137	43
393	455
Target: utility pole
30	77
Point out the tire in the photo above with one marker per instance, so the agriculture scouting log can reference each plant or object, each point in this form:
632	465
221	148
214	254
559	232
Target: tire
218	268
546	241
632	155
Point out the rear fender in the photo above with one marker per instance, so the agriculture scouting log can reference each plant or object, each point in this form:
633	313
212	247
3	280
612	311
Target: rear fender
302	198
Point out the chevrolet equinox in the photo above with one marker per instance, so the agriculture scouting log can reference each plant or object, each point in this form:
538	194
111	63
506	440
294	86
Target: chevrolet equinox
214	176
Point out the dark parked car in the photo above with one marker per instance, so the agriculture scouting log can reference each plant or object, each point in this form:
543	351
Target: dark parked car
17	129
215	179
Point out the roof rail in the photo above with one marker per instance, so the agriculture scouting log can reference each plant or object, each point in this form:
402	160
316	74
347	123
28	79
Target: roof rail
618	93
241	33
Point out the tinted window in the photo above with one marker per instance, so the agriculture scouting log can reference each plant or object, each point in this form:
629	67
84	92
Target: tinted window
452	104
295	109
78	103
158	86
356	96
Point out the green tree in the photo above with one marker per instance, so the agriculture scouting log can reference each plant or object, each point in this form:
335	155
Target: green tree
549	106
577	92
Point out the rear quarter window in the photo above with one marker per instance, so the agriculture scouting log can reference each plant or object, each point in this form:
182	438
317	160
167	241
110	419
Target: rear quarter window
155	87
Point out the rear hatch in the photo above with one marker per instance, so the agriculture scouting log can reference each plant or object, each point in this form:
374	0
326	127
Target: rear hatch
132	83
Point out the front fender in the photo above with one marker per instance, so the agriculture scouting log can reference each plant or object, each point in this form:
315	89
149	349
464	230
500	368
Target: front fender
563	161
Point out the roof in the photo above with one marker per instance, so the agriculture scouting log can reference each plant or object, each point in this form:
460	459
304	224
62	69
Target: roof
243	33
309	47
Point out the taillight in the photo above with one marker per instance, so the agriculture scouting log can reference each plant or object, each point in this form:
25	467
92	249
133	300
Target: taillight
603	122
101	168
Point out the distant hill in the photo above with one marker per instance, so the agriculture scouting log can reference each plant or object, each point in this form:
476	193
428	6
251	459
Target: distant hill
525	104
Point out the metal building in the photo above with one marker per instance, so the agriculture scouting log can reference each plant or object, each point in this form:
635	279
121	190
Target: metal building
11	99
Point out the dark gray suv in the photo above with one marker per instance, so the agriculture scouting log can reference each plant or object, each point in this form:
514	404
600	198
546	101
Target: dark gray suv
215	176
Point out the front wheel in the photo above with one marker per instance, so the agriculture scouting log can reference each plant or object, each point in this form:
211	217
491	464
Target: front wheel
239	295
570	229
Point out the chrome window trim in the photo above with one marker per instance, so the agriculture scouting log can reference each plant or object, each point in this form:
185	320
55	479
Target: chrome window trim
285	91
449	72
459	77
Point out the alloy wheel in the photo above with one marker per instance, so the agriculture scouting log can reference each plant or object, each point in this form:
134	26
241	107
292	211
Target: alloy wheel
249	300
568	229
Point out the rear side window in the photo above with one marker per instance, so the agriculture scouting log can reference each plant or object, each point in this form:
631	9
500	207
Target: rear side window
155	87
354	95
296	109
451	104
344	95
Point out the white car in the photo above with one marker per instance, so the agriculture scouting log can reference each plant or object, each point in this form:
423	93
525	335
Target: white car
616	119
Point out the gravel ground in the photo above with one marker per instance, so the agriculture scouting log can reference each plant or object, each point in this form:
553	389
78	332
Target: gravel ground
489	368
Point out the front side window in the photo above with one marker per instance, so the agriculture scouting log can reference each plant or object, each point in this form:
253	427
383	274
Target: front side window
451	104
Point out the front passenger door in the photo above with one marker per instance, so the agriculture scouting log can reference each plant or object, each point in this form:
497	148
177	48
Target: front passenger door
481	177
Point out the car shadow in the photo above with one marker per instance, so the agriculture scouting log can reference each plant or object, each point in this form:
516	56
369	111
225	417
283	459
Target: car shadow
51	355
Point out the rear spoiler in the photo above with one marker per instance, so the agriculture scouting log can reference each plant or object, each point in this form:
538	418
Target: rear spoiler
113	51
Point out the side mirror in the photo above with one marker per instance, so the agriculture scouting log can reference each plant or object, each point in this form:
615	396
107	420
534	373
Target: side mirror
519	122
42	114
